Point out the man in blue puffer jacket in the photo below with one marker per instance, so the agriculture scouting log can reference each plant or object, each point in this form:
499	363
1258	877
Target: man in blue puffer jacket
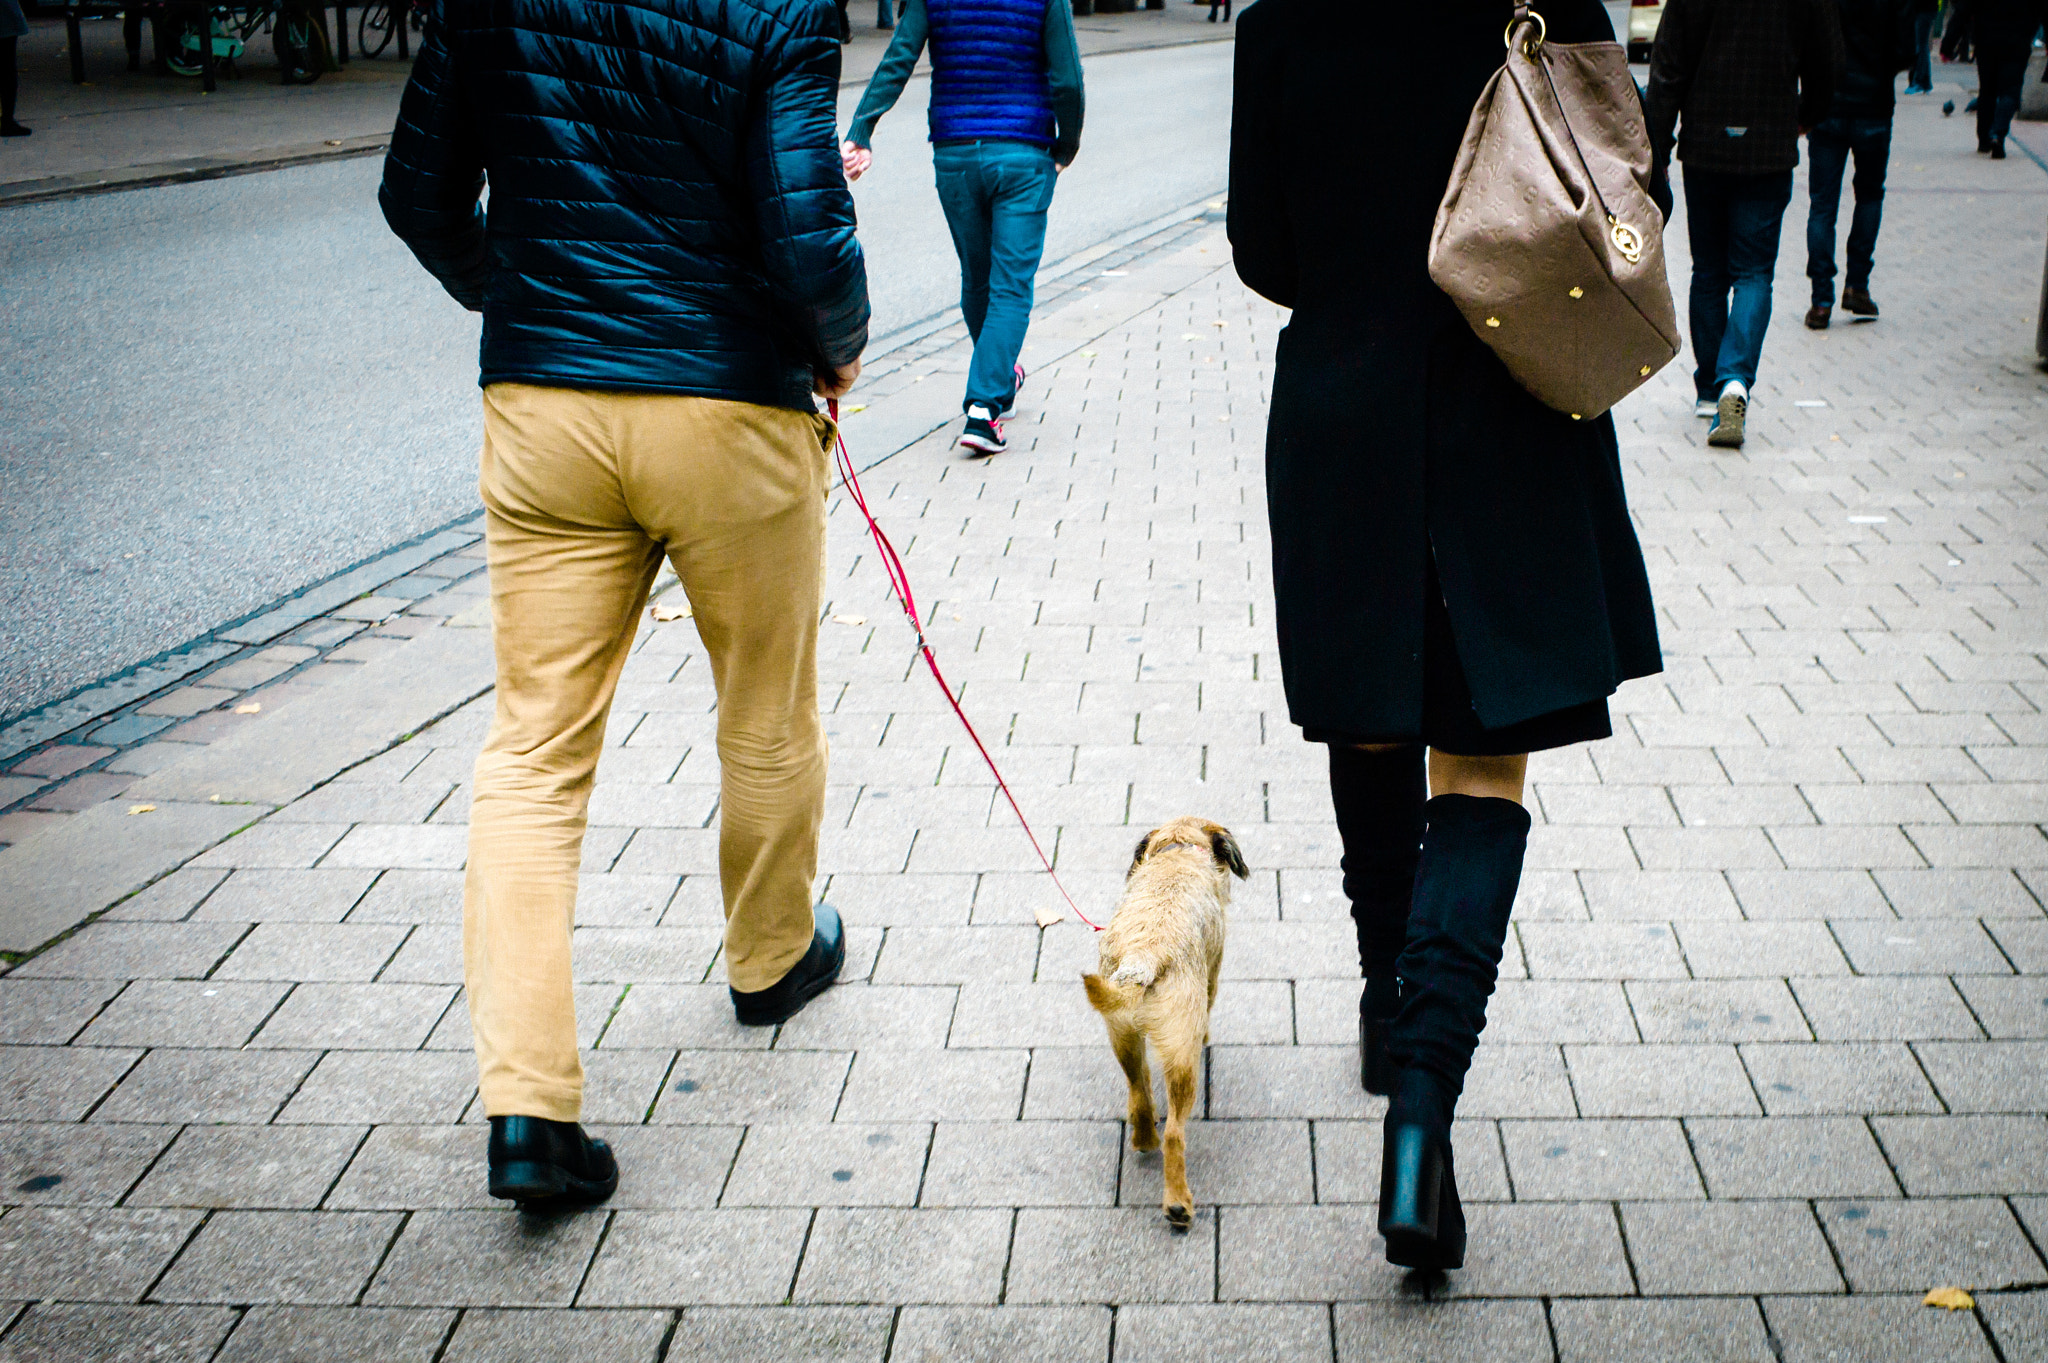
667	274
1005	119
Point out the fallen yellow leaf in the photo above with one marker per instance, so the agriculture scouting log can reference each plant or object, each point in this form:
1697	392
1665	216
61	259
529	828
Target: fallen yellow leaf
140	809
251	708
857	407
1087	354
663	611
1949	1299
1048	915
849	619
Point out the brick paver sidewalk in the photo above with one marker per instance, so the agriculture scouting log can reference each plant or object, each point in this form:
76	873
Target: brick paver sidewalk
1770	1059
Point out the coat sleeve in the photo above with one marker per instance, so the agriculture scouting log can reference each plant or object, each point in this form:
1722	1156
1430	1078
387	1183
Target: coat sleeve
1821	58
803	211
1671	67
434	175
1261	237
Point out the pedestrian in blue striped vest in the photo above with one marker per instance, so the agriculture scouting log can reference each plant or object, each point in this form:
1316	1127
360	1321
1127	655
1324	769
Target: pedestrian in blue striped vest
1005	120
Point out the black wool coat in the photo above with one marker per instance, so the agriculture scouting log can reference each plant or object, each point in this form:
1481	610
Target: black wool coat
1395	433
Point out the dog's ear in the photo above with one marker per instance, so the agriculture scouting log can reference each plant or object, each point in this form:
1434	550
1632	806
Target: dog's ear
1138	857
1224	848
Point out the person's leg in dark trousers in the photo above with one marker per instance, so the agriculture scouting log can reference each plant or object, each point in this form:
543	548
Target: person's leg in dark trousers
1706	230
1827	152
1871	140
1921	78
1756	213
1378	796
2000	73
10	89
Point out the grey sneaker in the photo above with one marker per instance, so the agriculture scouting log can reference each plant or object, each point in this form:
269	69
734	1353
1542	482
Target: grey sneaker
1729	414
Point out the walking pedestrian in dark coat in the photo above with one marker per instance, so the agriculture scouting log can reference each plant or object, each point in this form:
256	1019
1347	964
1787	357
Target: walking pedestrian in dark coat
13	28
2002	34
1453	562
1733	83
1877	39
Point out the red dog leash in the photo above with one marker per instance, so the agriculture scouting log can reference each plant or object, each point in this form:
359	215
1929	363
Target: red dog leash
899	583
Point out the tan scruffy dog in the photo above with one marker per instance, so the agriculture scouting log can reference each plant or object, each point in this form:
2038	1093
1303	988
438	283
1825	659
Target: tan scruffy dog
1161	954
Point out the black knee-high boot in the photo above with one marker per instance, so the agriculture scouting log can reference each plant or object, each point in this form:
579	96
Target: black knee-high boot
1472	850
1378	797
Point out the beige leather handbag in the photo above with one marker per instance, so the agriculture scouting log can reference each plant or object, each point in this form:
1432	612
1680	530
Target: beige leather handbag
1547	239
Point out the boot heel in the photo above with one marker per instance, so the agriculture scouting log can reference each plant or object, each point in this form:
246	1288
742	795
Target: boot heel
528	1181
1411	1177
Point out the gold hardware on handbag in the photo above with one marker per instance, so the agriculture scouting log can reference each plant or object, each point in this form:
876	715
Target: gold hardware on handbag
1547	238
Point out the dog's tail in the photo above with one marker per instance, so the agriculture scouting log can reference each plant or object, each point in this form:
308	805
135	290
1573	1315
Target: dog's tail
1134	975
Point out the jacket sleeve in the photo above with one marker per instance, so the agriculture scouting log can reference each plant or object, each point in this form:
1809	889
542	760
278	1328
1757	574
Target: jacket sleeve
1821	58
885	87
803	212
1063	72
1261	237
434	175
1671	68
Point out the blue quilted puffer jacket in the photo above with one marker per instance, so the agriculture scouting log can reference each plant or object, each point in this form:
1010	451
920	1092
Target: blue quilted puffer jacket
667	210
988	71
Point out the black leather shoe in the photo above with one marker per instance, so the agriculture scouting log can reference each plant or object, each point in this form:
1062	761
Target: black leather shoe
807	979
536	1160
1420	1215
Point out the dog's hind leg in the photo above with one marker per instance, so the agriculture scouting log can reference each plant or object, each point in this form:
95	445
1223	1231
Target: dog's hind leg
1179	1058
1129	1044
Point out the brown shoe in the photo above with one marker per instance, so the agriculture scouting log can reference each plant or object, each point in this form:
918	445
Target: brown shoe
1859	302
1817	317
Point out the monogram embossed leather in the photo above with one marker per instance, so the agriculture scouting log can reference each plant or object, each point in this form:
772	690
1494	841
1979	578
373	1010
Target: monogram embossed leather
1547	238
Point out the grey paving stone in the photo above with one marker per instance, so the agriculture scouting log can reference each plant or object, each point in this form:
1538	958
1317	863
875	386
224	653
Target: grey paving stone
1530	1011
247	1166
1947	893
1229	1163
312	951
1517	1081
1772	895
1797	1079
183	1013
1988	1076
2024	942
2014	1008
1275	1082
1864	1008
78	1254
931	1085
663	955
840	1164
1025	1164
546	1336
1075	1081
411	897
405	1167
1422	1331
1745	1157
275	844
1680	1329
1768	950
1255	1334
1347	1157
798	1334
134	951
169	899
282	1258
432	954
1926	1242
1926	946
1112	1255
206	1086
383	1086
64	1164
914	1256
872	1017
1544	1249
1598	1161
681	1017
1290	950
303	896
692	1257
958	955
486	1258
998	1334
1658	896
1601	951
1052	1013
669	1167
722	1088
1872	1330
2019	1321
60	1332
1716	1010
1938	1156
327	1334
1659	1081
356	1017
49	1012
1727	1247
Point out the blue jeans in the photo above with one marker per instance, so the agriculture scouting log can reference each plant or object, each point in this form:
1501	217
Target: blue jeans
1828	148
1921	75
995	194
1732	222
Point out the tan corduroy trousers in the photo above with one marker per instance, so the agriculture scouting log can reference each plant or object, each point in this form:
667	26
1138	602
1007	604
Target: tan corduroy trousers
583	493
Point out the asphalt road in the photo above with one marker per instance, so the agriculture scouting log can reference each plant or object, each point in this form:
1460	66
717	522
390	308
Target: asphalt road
215	394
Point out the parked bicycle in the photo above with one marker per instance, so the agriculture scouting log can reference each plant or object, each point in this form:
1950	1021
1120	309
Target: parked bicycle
375	26
298	36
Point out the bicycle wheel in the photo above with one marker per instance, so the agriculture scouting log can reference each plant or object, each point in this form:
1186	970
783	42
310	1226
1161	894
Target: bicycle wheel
179	32
373	29
301	44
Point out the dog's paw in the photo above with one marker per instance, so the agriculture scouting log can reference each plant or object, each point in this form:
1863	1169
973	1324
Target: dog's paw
1179	1215
1144	1138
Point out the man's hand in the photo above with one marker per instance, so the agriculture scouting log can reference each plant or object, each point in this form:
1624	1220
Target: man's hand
834	383
856	160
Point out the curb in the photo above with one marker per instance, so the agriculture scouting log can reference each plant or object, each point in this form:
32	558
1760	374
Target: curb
188	169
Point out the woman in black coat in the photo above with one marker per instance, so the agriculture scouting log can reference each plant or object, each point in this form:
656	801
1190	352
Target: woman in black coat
1454	563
